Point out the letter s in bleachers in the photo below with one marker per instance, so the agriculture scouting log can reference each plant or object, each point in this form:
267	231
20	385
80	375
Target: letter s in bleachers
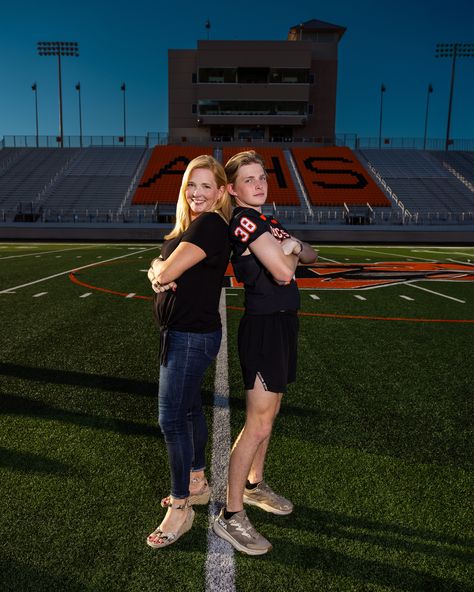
361	180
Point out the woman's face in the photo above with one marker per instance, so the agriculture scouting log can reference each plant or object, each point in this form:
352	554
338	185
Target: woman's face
202	193
250	187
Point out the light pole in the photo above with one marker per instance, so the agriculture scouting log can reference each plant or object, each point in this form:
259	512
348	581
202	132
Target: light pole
78	88
382	90
59	48
34	88
123	88
208	27
453	50
430	90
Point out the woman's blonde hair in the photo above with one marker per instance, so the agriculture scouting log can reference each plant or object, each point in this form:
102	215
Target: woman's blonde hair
223	206
239	160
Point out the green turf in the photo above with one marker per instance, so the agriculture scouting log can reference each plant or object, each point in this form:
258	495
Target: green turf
373	443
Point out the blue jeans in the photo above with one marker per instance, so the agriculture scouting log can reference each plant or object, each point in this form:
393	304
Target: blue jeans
181	417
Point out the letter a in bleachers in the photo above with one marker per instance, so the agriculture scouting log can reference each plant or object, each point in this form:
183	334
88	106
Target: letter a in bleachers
167	170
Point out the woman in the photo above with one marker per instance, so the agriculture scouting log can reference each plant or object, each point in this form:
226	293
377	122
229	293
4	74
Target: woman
187	278
264	258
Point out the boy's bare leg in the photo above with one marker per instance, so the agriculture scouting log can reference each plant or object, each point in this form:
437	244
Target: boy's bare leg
262	407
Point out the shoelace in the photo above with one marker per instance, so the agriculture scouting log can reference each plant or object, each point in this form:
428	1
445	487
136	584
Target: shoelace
245	528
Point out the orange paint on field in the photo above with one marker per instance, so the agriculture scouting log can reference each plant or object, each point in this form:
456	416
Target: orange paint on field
74	279
338	283
341	277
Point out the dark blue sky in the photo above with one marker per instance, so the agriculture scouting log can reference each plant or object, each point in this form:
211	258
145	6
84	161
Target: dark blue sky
386	41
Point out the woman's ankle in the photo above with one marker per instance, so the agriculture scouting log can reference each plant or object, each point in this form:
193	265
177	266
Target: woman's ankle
177	503
197	476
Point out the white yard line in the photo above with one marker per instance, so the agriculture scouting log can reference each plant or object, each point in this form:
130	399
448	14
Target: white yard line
314	297
433	292
36	254
50	277
86	295
220	564
359	297
326	259
406	298
389	254
39	294
444	252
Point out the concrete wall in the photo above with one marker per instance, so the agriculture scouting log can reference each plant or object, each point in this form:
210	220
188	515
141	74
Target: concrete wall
411	235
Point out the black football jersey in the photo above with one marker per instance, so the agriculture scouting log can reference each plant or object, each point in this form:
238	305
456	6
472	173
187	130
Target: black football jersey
262	294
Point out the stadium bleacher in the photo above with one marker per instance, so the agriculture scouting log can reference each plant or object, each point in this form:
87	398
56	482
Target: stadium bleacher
333	176
29	173
420	181
320	185
461	163
161	179
97	178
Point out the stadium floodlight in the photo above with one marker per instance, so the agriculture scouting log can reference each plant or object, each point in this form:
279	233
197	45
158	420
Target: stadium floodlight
123	88
59	48
78	88
383	88
34	88
453	50
430	90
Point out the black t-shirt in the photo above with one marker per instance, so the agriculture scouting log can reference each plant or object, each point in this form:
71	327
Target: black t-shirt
262	294
194	306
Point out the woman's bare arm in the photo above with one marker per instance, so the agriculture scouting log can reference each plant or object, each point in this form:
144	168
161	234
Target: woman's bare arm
185	256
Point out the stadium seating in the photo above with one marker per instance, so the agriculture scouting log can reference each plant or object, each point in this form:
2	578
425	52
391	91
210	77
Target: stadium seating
161	180
8	156
404	164
29	172
307	184
461	163
98	178
333	177
281	189
420	181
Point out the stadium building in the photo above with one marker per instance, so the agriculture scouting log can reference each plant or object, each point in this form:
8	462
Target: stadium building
260	90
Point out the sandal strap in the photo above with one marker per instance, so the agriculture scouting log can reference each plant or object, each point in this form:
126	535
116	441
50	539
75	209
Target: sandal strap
180	507
157	532
167	503
170	536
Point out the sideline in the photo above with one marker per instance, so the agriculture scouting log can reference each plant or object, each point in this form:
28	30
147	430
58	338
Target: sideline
50	277
220	564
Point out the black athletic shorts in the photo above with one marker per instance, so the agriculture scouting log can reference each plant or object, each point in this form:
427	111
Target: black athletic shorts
268	349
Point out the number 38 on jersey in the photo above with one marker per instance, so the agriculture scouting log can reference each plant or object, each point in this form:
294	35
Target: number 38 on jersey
245	229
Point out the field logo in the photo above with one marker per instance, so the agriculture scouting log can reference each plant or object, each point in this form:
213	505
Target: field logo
360	276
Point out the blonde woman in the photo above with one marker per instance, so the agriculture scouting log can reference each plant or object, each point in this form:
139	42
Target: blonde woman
187	279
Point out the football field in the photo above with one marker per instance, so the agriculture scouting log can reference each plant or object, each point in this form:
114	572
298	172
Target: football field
373	443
